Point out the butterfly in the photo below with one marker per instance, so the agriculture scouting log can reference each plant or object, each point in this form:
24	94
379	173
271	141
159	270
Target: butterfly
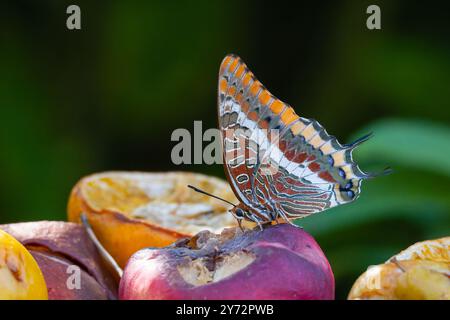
298	171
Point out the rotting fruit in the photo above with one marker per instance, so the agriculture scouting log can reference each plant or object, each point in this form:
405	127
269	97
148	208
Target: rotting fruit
280	262
129	211
421	272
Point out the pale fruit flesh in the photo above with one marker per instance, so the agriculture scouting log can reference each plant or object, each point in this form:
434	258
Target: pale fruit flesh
420	272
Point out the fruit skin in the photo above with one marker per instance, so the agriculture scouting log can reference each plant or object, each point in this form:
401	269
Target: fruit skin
56	273
57	245
287	263
20	276
109	207
420	272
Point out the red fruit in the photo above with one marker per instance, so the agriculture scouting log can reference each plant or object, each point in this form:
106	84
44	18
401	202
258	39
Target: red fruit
280	262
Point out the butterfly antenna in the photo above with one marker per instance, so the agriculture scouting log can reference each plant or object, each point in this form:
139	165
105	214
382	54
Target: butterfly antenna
359	141
209	194
385	172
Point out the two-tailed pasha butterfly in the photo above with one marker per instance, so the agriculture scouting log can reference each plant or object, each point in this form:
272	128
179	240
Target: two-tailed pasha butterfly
299	171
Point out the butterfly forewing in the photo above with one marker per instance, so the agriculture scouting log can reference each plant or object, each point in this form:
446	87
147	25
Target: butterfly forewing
279	164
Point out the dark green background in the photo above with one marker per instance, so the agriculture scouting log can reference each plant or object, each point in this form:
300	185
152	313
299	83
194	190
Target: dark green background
109	96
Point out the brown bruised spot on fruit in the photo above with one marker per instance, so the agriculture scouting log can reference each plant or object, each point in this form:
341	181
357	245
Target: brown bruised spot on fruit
15	264
206	240
129	211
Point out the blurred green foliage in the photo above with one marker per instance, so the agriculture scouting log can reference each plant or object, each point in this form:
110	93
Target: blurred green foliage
109	96
394	211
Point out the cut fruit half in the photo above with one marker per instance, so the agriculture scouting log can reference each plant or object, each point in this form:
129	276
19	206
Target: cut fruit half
420	272
129	211
20	276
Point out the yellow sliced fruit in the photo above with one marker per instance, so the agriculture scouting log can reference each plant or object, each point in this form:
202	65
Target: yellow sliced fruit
424	282
20	276
420	272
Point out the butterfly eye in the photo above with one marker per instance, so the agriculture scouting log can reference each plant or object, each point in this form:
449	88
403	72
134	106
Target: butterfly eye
239	213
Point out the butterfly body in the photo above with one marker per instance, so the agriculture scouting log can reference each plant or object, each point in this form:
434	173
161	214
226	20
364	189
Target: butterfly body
279	165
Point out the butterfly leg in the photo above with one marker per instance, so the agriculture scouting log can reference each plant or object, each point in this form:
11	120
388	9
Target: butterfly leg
251	217
285	218
240	224
260	226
